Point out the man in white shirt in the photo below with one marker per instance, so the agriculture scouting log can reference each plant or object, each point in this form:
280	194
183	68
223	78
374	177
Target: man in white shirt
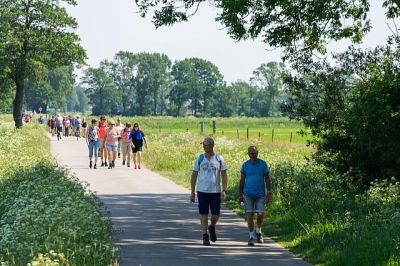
210	167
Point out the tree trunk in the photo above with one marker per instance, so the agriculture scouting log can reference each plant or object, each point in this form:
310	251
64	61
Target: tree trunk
18	102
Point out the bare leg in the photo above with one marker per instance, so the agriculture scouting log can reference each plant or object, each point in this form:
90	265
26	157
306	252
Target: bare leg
260	219
204	223
214	219
250	222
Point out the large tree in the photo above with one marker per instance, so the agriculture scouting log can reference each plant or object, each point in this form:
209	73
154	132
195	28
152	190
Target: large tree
268	78
35	32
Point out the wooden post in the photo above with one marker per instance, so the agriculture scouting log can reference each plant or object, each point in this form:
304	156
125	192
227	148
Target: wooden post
214	127
291	135
202	127
247	134
272	135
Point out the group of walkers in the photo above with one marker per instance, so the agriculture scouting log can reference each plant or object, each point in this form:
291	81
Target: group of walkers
107	139
67	126
254	190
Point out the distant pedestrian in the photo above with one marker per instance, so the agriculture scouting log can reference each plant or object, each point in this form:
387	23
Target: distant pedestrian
59	126
41	120
254	181
119	126
126	145
102	140
210	167
67	124
84	126
53	125
92	140
138	138
112	136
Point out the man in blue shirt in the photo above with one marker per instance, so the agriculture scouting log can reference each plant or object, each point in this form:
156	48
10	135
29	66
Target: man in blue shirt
254	179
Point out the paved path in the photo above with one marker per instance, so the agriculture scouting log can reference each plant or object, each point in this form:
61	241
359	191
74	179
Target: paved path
159	225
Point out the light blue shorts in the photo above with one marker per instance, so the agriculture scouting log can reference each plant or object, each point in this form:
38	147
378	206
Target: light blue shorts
254	205
112	148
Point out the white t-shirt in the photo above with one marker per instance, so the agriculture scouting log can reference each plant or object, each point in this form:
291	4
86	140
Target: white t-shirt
209	177
119	128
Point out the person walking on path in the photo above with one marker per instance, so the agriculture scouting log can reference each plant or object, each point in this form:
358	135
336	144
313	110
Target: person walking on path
254	180
59	126
67	124
119	127
102	140
210	167
92	140
112	136
84	126
137	137
126	145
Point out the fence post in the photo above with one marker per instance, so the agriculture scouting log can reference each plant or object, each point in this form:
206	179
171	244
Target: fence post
273	133
202	127
291	134
247	134
237	133
214	127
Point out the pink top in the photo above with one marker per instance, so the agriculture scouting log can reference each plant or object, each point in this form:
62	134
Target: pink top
112	136
125	135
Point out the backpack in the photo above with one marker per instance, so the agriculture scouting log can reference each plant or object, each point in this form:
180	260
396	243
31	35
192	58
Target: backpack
217	157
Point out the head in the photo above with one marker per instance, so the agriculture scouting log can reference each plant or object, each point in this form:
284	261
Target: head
103	119
111	123
94	122
118	120
136	126
128	125
208	145
252	152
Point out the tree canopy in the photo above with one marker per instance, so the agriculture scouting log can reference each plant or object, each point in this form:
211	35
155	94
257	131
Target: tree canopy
32	33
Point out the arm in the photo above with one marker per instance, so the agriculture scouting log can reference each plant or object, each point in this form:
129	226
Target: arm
241	187
145	142
224	183
268	187
193	186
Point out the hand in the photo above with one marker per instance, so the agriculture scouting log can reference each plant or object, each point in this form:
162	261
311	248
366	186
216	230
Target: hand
240	200
193	198
145	145
223	195
268	198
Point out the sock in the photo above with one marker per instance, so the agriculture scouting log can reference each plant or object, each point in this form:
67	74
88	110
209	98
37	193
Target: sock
258	230
252	235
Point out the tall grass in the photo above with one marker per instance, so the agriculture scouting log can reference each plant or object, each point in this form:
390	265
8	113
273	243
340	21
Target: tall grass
318	215
45	213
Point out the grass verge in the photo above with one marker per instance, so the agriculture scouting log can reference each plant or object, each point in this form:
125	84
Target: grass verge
47	217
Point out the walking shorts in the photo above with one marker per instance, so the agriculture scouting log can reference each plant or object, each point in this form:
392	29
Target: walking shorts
254	205
209	201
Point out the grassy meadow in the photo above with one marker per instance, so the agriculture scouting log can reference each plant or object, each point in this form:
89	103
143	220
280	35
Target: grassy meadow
47	217
318	216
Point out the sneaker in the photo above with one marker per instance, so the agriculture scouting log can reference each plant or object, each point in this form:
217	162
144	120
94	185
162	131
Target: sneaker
105	164
102	164
109	167
135	166
139	167
128	164
95	166
113	164
260	238
213	235
206	240
251	241
123	162
118	154
90	164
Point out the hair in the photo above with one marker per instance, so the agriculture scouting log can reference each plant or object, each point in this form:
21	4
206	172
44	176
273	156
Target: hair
94	121
111	122
128	124
137	124
252	147
103	117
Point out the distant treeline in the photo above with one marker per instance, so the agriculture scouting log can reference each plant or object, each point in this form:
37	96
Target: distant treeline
151	84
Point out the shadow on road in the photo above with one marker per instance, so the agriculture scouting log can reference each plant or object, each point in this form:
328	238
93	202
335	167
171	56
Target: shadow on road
164	229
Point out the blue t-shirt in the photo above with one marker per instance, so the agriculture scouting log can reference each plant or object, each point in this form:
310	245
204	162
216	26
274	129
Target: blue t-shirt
254	186
136	136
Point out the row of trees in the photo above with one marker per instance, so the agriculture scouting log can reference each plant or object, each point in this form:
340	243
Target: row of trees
150	84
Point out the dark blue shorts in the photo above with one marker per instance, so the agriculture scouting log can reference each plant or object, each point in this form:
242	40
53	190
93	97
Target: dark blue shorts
209	201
